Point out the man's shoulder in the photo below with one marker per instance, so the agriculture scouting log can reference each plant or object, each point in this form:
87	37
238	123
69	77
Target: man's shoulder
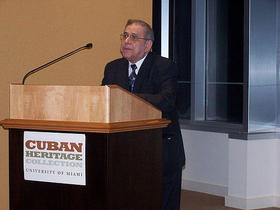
158	60
118	61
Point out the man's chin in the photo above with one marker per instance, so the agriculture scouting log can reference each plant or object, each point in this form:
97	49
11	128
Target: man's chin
126	56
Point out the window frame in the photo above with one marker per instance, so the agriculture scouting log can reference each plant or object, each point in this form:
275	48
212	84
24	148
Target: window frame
198	66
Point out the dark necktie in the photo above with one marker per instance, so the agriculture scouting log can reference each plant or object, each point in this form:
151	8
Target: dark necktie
132	77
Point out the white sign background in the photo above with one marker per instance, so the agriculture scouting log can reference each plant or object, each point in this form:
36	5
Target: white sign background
56	169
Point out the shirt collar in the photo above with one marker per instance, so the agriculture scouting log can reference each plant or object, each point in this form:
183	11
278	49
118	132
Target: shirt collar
138	64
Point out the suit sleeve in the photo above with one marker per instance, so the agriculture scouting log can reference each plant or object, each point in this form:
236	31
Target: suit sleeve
106	79
165	82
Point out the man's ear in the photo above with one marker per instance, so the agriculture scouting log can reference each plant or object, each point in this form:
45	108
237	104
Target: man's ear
148	45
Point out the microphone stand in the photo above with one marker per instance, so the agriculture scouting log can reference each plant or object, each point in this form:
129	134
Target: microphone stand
88	46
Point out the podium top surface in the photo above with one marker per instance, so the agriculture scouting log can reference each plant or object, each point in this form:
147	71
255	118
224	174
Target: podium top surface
99	104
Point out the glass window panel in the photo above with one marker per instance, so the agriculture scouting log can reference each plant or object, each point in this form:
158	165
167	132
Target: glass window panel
184	100
225	40
224	68
224	102
181	53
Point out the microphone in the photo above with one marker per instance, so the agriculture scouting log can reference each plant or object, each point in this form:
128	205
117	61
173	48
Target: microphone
87	46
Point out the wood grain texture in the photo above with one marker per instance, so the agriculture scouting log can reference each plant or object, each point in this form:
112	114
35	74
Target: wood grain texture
62	103
126	106
89	127
101	104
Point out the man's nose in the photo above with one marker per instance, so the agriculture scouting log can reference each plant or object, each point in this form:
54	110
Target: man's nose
127	40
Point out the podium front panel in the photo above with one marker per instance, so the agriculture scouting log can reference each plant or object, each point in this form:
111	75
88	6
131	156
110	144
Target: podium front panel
123	171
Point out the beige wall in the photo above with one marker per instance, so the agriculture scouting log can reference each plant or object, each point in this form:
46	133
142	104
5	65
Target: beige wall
34	32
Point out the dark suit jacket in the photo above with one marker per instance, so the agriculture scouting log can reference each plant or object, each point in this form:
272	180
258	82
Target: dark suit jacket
156	83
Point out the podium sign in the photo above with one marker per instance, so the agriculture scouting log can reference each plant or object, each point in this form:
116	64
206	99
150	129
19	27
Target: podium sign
54	157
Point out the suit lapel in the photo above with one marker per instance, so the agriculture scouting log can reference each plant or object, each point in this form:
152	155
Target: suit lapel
123	74
143	73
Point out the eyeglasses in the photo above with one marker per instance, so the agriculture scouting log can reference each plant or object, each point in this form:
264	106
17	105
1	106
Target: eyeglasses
133	37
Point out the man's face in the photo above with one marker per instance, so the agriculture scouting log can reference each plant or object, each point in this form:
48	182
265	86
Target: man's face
135	50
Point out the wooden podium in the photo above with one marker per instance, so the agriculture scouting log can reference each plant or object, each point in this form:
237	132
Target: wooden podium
123	147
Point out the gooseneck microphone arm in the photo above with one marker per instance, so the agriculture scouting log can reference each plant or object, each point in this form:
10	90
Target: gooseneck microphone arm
88	46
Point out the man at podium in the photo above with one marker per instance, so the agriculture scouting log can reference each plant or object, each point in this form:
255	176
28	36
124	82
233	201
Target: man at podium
153	78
